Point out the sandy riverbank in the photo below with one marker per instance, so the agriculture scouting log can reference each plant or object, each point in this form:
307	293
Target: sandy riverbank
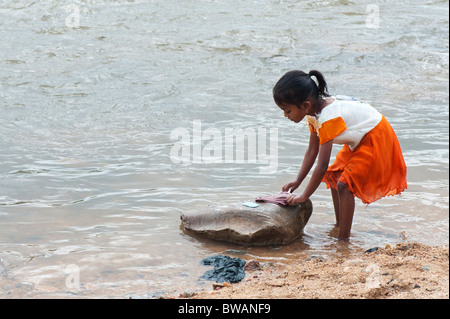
403	271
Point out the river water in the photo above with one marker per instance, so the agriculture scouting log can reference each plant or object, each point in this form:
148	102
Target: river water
117	115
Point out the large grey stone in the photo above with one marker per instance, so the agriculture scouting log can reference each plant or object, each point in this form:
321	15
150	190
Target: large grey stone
266	224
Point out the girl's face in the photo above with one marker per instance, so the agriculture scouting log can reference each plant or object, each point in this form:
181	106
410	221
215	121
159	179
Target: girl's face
295	113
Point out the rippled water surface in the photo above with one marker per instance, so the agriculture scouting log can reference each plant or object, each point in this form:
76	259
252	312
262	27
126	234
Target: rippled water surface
100	102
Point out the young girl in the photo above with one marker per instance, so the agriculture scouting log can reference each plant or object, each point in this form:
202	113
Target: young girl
369	166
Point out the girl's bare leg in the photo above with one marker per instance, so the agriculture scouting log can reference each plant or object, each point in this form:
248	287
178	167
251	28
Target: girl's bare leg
335	196
346	210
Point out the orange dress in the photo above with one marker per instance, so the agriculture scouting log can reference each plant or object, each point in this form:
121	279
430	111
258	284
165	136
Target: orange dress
371	162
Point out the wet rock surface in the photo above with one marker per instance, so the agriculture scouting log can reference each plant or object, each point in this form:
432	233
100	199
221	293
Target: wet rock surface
266	224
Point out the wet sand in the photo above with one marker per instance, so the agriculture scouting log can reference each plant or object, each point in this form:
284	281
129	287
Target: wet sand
405	271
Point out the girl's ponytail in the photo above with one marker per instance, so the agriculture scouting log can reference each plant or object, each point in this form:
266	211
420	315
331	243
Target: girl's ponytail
322	84
297	86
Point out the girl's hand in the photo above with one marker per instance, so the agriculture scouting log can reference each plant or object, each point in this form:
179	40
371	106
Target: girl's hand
295	200
290	187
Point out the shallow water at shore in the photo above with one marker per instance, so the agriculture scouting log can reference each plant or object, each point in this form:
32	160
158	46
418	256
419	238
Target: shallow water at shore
91	181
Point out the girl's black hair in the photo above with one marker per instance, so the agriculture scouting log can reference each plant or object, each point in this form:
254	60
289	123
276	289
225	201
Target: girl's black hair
296	86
